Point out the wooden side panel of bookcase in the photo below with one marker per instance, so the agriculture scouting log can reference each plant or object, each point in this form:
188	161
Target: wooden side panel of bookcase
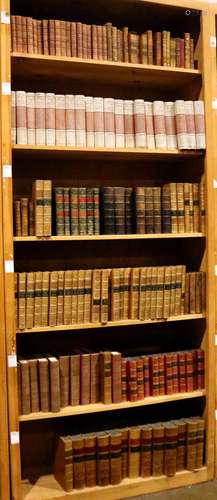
5	72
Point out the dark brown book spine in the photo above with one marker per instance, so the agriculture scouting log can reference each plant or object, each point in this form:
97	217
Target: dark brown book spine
75	378
116	377
146	451
64	381
85	379
78	461
34	385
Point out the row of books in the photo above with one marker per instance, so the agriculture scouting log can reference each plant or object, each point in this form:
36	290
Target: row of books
53	298
49	384
85	121
107	457
75	39
175	207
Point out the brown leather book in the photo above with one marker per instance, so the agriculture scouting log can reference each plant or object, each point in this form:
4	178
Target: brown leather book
51	37
181	445
149	210
202	206
73	39
120	45
146	376
64	380
134	48
13	34
94	42
119	208
134	452
79	39
140	378
30	41
200	443
45	298
34	385
160	292
38	195
24	216
104	43
25	387
146	450
54	384
196	214
81	292
115	457
157	46
96	296
171	443
53	298
187	206
104	313
178	290
187	293
140	210
44	384
109	41
124	394
47	209
150	47
158	447
134	293
143	39
106	377
38	299
143	292
57	37
75	379
154	375
148	293
180	207
60	297
90	459
24	33
168	373
115	295
126	44
99	43
30	279
67	298
94	378
19	33
157	222
132	379
124	452
31	219
17	218
114	44
63	465
191	446
84	41
103	458
192	292
74	296
116	377
38	37
167	291
187	50
87	295
78	461
85	379
154	280
166	209
173	290
45	37
161	374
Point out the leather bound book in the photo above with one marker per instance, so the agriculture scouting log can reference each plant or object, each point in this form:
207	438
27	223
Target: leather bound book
167	291
38	299
187	51
99	43
203	293
24	33
187	293
175	372
94	378
47	208
114	44
14	34
75	379
124	379
200	443
103	458
143	45
150	47
182	371
115	457
90	459
94	42
59	209
40	122
171	443
173	291
79	39
122	293
97	211
44	384
159	125
89	121
57	37
189	112
146	376
73	39
126	44
181	125
67	298
106	377
29	300
126	294
115	295
109	122
161	374
120	45
31	219
85	379
64	380
104	296
124	453
181	445
129	124
45	37
178	53
132	379
116	377
78	461
134	452
21	117
154	279
198	293
157	214
200	369
45	298
196	213
13	118
166	209
60	118
74	213
25	387
178	290
173	52
80	121
81	292
37	36
24	216
70	120
189	363
154	375
96	296
146	451
202	206
192	290
143	292
148	293
84	41
50	121
160	293
17	218
140	379
99	130
164	48
30	114
51	37
54	384
108	210
192	53
182	52
34	385
168	48
168	373
158	447
174	207
134	293
104	44
119	123
187	206
158	48
87	295
170	125
191	447
53	298
119	209
38	200
140	209
63	466
82	210
129	210
183	290
19	33
180	207
134	48
139	123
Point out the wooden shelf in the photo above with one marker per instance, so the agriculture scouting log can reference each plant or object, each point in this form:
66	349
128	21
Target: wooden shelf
101	407
102	237
58	152
110	324
35	66
47	488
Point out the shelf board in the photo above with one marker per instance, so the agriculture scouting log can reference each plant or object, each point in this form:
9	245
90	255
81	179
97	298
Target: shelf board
35	66
101	407
45	487
110	324
102	237
64	152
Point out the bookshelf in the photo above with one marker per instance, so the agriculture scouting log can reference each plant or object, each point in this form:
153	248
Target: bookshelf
113	167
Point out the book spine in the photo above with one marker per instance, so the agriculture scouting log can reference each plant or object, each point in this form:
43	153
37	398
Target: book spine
38	299
78	460
89	121
34	385
157	210
103	458
95	378
17	218
146	376
115	295
24	33
99	134
99	43
149	125
59	209
104	44
150	47
144	48
80	121
134	48
189	363
94	42
81	291
149	210
168	373
66	202
21	117
67	298
85	379
30	115
45	298
119	206
96	296
87	295
134	452
171	443
60	120
124	454
40	122
126	43
44	384
70	120
60	298
154	375
199	124
182	374
139	123
90	460
109	122
181	445
53	299
84	41
74	296
159	124
74	214
75	379
114	44
132	379
24	216
134	293
128	124
181	125
50	119
54	384
187	50
160	293
124	379
119	123
190	124
143	291
82	210
96	206
51	37
104	294
29	300
13	118
47	208
170	125
116	377
115	457
14	34
200	369
140	379
158	450
25	387
146	451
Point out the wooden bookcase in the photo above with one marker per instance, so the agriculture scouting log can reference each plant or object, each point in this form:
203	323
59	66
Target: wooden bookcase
33	443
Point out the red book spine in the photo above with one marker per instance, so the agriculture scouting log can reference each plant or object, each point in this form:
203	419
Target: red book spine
124	379
168	373
45	37
94	42
79	40
132	379
116	377
68	39
19	33
182	372
189	364
175	372
161	373
35	36
84	41
140	379
24	34
99	42
13	34
30	43
200	368
39	38
57	38
51	34
154	369
89	42
146	376
73	40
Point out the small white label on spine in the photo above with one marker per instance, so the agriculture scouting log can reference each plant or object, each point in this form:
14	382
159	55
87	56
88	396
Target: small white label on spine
213	42
215	183
7	171
215	339
12	361
6	88
5	17
15	437
215	414
214	104
216	270
9	266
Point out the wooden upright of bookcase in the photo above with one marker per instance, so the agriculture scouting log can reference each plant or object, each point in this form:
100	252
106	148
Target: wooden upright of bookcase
35	435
